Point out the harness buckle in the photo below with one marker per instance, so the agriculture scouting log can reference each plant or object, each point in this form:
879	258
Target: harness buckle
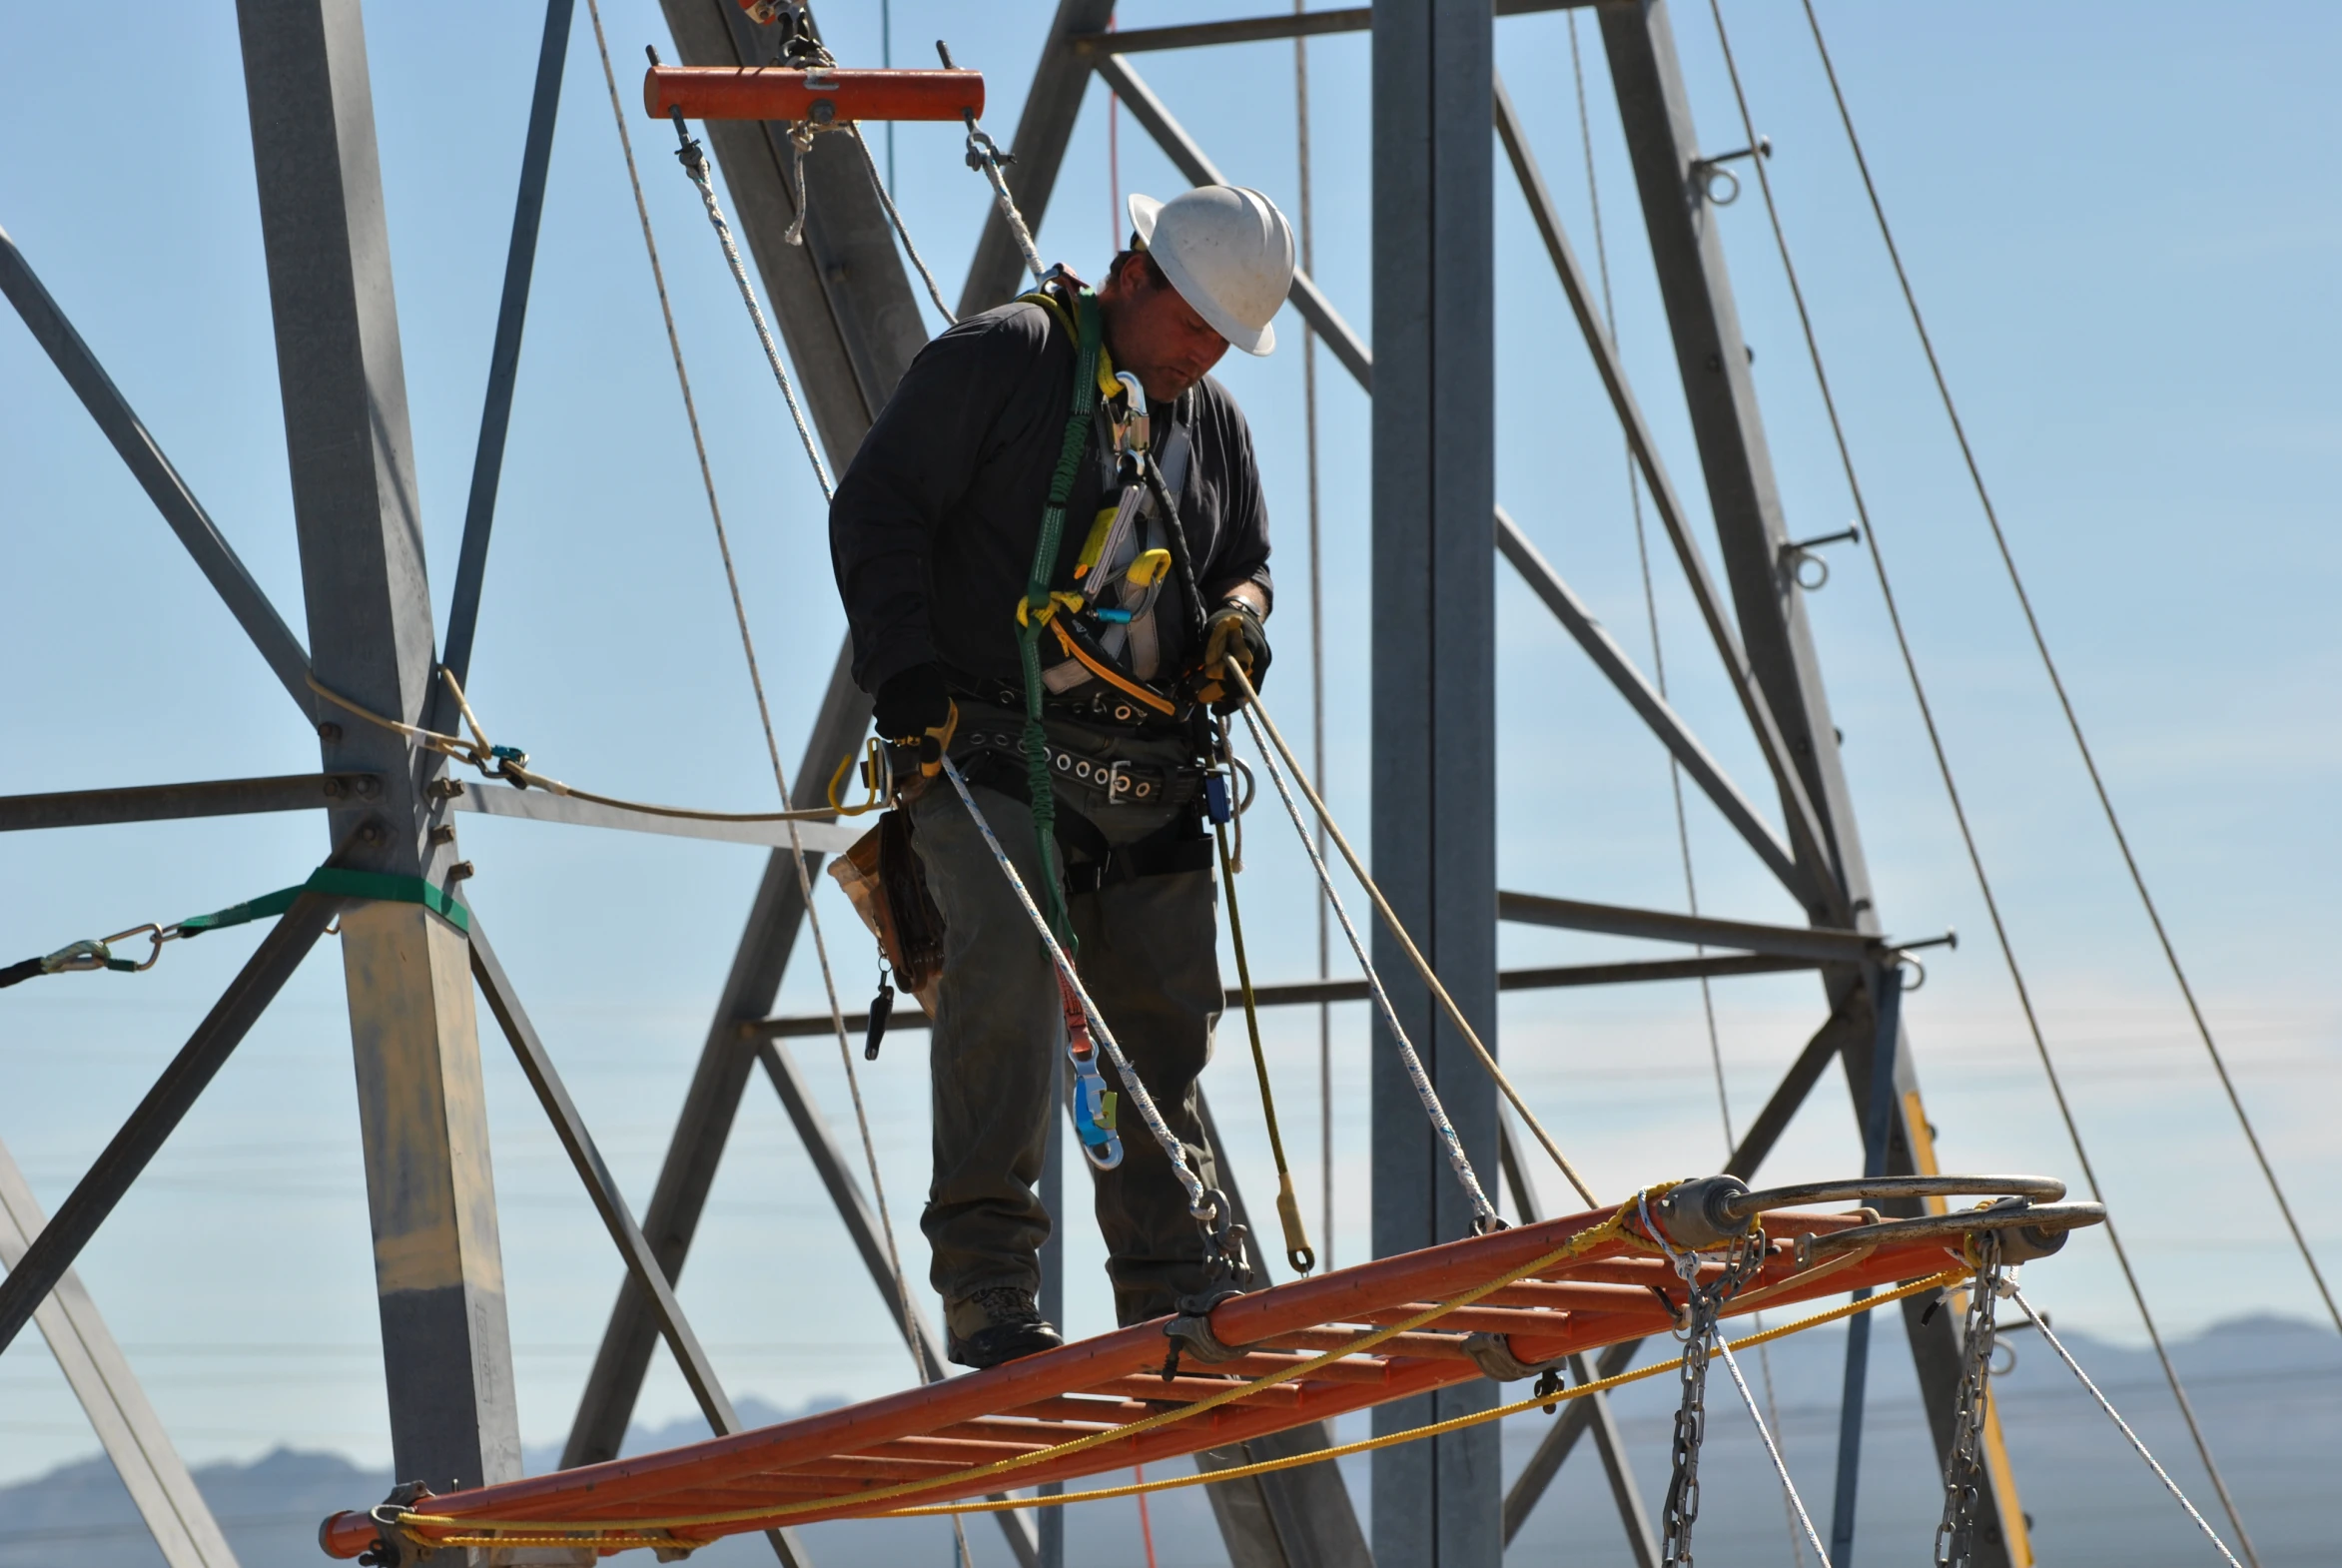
1119	784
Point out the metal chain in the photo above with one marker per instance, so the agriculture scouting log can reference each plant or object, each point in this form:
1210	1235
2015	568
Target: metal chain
1703	1308
1682	1507
1964	1468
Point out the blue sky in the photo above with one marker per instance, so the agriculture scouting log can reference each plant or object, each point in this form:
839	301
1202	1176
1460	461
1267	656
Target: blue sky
2119	217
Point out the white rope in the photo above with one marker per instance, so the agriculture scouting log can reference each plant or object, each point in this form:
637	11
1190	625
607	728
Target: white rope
696	166
983	156
2115	1416
1788	1486
748	648
1200	1202
1255	708
1458	1162
886	200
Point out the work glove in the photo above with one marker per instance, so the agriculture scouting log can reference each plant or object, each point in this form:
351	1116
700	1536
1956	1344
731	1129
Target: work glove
915	710
1233	633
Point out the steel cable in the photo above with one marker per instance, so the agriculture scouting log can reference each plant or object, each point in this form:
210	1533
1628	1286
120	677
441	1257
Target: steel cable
2114	1416
1683	832
1950	786
1484	1212
2057	681
748	648
1316	625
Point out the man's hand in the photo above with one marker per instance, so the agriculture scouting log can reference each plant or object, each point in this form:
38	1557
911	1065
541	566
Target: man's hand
915	710
1234	635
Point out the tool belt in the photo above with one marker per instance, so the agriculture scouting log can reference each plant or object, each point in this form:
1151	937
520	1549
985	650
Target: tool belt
994	758
1118	783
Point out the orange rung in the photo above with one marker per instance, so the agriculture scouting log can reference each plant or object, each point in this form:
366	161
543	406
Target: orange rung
711	92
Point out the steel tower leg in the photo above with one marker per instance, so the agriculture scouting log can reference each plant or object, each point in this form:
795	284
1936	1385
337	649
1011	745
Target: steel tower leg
437	1268
1437	1503
1712	359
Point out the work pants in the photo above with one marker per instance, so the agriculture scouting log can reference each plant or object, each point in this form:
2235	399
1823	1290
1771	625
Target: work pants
1148	958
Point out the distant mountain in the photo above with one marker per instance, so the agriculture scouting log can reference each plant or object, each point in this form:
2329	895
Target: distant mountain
2268	1391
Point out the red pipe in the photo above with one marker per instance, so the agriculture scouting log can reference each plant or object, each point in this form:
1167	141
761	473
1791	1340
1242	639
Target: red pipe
722	92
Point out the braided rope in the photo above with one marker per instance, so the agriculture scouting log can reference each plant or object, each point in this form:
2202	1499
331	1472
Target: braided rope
1256	719
1200	1202
1484	1212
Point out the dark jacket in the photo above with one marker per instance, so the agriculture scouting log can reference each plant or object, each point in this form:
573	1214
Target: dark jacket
933	527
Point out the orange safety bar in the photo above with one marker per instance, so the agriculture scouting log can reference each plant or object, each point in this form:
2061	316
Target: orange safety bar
722	92
1613	1291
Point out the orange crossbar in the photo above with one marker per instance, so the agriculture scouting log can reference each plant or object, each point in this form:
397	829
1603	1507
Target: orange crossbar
1040	1401
712	92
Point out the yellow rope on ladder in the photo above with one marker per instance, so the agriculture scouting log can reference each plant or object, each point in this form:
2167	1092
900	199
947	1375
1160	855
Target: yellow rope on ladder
1950	1276
1614	1229
657	1532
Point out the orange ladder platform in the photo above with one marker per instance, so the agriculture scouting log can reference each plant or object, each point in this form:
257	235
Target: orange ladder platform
939	1442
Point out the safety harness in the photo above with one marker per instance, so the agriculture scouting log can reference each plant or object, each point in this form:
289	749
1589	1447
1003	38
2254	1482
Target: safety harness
1103	628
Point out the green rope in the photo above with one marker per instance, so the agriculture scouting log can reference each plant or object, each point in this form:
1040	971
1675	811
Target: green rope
376	886
336	881
1039	785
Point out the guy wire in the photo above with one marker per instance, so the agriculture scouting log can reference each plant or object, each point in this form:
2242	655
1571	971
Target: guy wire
1683	832
2057	683
764	711
1952	788
1316	631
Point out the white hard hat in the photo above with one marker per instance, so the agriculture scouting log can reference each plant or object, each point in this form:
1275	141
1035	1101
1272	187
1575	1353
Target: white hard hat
1228	251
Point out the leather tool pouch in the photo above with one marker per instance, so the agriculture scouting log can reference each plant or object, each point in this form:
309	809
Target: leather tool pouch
887	883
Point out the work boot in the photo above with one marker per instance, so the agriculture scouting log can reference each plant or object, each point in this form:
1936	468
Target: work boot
994	1324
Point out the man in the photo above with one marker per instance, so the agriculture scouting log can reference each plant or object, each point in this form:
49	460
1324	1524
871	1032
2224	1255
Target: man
934	537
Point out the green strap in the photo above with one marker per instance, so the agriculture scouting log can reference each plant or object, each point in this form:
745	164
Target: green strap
379	887
1087	336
